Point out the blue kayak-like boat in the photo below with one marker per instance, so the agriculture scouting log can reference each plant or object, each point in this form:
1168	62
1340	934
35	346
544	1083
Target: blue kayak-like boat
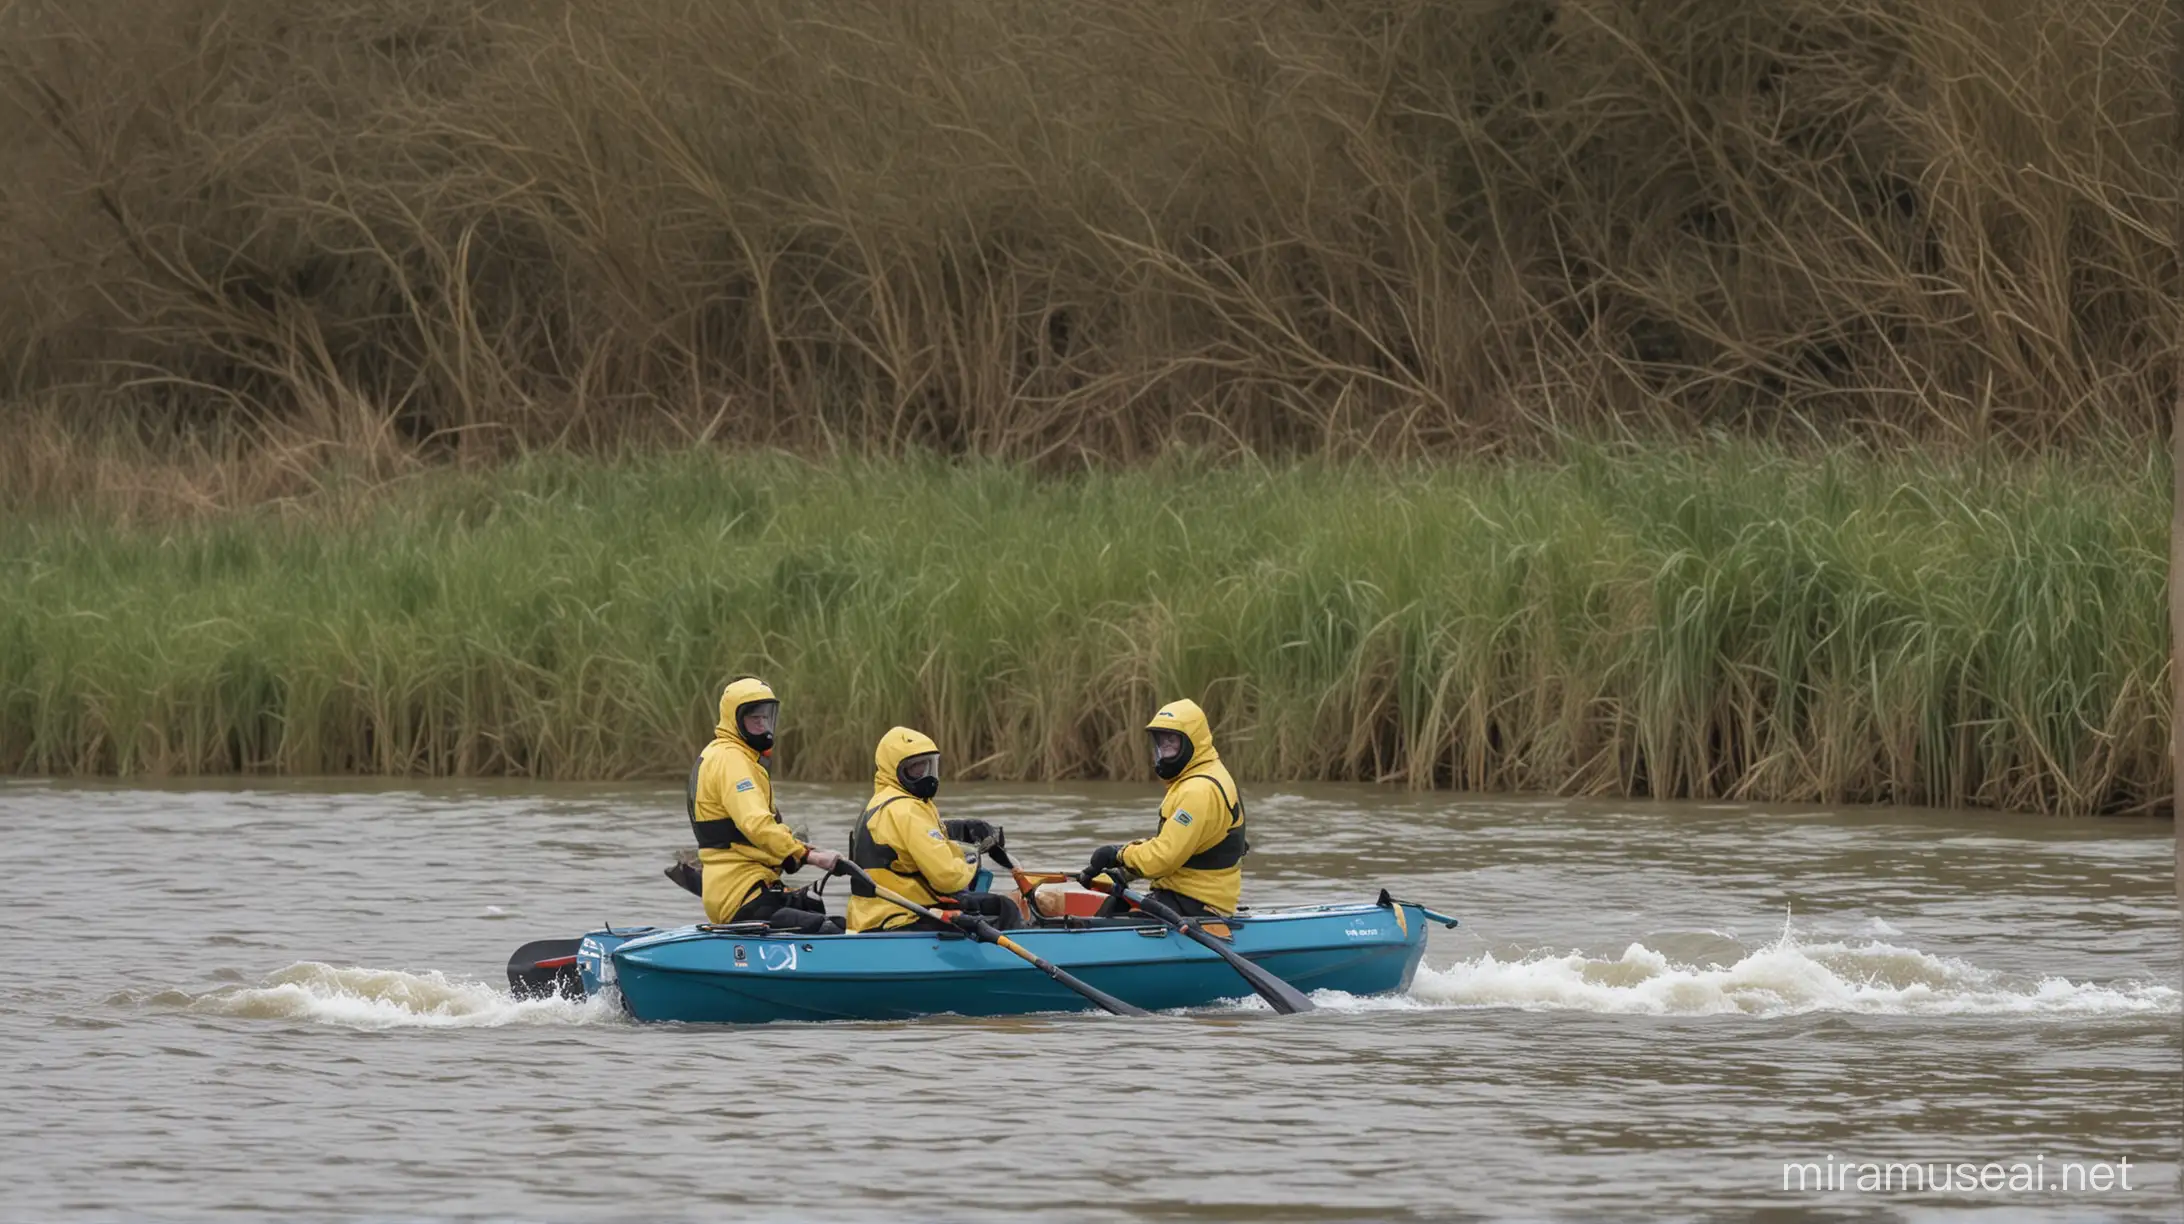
743	974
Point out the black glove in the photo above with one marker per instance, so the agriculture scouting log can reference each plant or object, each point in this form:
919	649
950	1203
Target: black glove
1103	859
688	875
967	922
969	832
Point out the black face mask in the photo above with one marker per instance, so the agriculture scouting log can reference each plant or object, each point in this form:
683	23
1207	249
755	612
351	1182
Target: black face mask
760	741
1168	767
925	784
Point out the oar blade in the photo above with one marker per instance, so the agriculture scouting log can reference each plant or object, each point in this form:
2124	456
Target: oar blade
1279	995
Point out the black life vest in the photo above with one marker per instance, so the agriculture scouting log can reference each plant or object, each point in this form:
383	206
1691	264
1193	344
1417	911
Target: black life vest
1230	850
870	852
712	834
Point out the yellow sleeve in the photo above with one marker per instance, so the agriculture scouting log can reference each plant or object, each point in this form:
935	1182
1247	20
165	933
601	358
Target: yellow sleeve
746	805
927	847
1179	839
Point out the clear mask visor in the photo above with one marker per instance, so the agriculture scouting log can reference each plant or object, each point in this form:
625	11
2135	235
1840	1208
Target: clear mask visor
1169	746
759	717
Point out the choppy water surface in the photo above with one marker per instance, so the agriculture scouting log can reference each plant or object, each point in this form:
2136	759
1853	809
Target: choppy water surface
286	1002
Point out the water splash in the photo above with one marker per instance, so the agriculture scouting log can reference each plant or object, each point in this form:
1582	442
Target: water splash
1789	976
1786	977
362	998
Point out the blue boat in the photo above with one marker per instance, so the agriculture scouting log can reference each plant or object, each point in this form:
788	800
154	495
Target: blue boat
743	974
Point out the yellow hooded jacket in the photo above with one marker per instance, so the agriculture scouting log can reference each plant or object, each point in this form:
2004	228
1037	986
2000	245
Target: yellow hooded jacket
742	843
900	842
1199	848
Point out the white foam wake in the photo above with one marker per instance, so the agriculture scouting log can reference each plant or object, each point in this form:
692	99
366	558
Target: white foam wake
1787	977
386	999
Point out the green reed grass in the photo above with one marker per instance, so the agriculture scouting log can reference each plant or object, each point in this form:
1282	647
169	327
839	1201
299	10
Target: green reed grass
1718	621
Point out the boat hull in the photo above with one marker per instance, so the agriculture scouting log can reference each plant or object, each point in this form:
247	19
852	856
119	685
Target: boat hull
700	975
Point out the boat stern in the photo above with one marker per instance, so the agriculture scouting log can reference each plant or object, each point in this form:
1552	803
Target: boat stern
595	955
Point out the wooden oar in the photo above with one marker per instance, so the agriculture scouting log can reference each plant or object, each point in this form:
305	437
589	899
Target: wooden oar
986	932
1280	995
1030	882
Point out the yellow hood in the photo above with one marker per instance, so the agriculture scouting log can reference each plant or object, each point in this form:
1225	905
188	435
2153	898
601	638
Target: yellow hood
1185	716
897	746
737	695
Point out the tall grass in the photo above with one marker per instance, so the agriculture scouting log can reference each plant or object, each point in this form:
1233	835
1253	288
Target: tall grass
1040	230
1725	621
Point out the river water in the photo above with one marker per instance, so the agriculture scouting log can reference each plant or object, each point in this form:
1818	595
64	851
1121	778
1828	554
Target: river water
285	1001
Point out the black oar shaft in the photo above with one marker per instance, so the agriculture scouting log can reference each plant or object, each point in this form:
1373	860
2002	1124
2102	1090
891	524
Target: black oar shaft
1280	995
989	933
1052	970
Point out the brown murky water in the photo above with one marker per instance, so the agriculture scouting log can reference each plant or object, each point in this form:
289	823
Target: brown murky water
284	1002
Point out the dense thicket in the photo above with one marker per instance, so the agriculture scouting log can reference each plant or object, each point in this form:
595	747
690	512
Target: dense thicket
1073	230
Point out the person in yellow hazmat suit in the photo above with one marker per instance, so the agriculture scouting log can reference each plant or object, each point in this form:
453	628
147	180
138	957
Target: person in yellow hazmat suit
901	841
1194	859
743	847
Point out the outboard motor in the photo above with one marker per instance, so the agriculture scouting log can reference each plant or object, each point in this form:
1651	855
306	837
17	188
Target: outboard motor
544	968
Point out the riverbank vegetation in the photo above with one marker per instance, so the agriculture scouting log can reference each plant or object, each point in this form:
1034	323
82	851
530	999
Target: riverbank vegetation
1725	620
429	386
1080	232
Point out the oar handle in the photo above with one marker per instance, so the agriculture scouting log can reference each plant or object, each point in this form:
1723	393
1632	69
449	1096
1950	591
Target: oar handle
1157	909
